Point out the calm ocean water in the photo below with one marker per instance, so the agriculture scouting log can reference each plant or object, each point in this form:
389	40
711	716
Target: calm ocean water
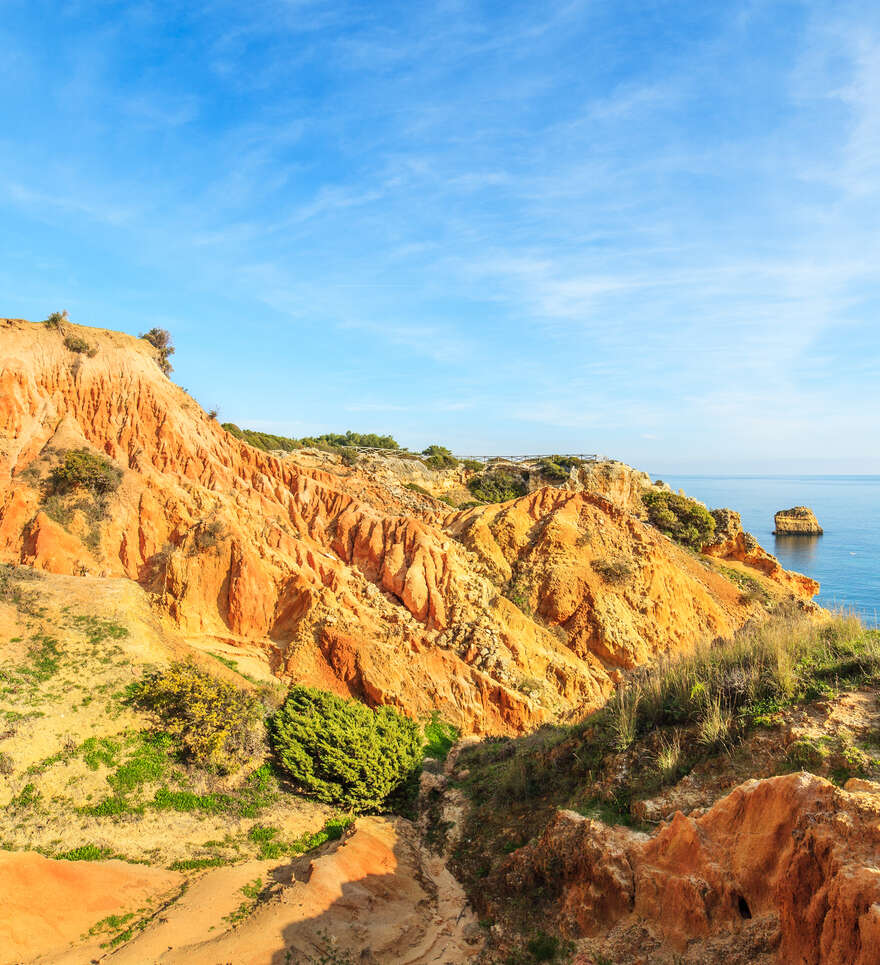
845	560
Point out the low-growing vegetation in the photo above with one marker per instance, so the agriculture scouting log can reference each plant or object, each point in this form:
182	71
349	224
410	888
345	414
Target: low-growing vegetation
342	752
752	591
76	343
83	469
328	441
680	518
416	488
614	569
439	737
218	725
499	485
558	468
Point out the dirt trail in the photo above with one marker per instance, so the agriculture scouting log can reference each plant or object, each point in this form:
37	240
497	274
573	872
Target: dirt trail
375	896
48	904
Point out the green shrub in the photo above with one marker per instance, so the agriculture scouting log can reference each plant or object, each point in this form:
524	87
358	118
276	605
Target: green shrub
439	457
682	519
160	339
217	724
472	465
77	344
56	320
499	485
558	468
83	469
343	752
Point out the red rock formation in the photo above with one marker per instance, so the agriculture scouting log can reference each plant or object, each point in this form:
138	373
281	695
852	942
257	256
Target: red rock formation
793	851
347	581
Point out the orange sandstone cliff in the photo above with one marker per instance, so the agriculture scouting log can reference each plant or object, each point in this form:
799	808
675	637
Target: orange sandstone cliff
503	615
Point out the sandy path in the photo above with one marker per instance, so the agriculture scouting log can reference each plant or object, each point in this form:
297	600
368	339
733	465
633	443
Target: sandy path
48	904
375	895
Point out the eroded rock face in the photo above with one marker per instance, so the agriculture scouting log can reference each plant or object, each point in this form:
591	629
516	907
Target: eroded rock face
731	542
794	852
797	521
504	616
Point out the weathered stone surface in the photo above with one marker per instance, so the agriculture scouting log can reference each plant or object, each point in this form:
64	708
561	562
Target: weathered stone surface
797	521
499	615
793	851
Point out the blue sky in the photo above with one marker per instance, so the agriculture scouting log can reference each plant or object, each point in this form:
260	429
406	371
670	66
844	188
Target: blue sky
646	229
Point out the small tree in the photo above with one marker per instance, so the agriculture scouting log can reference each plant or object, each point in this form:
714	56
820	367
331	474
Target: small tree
439	457
55	320
160	339
343	752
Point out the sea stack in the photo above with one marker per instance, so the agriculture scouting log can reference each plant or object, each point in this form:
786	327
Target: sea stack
798	521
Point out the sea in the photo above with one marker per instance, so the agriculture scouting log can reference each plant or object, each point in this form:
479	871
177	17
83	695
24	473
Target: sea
845	559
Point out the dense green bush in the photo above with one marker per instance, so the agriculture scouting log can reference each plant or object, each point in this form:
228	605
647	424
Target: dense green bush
83	469
160	339
439	457
216	724
343	752
472	465
684	520
499	485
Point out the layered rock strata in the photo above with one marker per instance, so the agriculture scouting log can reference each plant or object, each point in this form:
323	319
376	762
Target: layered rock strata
504	615
790	863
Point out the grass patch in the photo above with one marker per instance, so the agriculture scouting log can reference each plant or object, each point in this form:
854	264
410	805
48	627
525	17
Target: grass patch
99	752
253	892
751	590
86	852
439	737
198	864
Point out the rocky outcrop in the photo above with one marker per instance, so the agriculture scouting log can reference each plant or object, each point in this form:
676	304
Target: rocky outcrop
793	857
797	521
504	616
731	542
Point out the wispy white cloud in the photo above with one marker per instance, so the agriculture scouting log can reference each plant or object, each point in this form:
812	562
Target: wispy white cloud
448	210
